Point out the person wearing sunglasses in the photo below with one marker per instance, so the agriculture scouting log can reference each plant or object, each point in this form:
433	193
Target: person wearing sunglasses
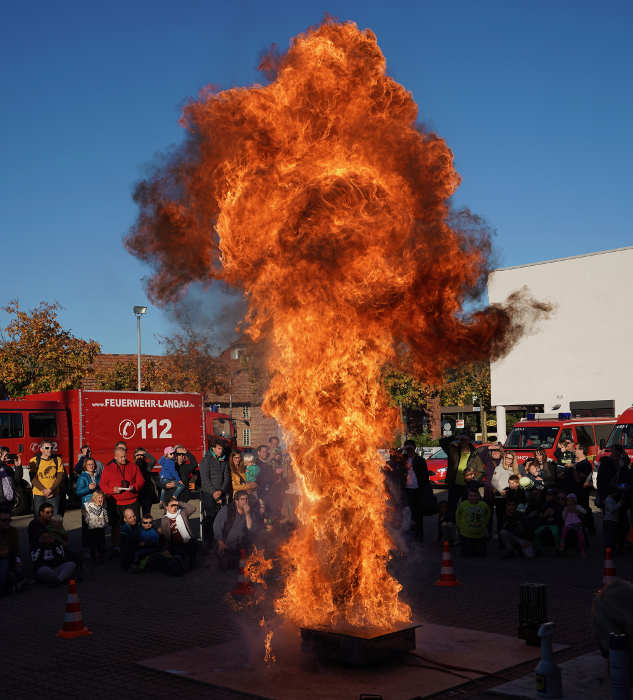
169	477
47	475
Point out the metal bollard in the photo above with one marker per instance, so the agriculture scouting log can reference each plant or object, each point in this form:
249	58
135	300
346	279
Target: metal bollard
548	678
532	611
619	666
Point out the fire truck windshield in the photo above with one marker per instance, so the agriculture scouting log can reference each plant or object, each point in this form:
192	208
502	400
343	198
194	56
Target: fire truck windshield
531	437
621	435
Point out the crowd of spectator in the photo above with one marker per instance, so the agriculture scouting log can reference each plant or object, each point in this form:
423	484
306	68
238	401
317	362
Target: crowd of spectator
526	508
529	508
241	496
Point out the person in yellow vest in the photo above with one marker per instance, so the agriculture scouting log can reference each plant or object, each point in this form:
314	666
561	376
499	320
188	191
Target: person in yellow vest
47	474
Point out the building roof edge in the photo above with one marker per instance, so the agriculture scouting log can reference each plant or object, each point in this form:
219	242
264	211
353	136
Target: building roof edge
571	257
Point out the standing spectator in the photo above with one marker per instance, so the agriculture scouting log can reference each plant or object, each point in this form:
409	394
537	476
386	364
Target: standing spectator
145	463
215	484
416	481
176	529
472	520
95	518
546	466
185	464
265	476
498	484
238	473
121	482
233	529
169	476
8	479
51	562
47	475
564	452
87	484
461	454
11	577
86	453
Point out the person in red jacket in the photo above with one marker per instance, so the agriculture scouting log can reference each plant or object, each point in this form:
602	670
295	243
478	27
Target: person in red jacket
121	481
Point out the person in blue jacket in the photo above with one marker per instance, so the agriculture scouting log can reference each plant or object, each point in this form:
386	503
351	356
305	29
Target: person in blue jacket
169	477
87	483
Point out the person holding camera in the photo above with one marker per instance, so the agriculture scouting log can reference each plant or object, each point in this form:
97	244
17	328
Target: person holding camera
121	482
8	479
86	453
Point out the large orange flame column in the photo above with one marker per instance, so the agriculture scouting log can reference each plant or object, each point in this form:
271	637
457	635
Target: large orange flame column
320	197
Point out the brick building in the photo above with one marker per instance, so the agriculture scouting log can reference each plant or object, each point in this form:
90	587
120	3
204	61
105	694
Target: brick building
243	398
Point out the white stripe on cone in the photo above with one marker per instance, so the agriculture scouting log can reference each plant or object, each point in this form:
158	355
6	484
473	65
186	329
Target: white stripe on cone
72	617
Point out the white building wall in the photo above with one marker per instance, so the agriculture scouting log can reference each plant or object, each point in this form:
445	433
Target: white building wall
584	351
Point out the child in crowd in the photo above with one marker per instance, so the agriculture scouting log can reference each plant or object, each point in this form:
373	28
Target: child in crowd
251	471
549	521
472	520
514	492
148	542
95	516
611	520
514	535
169	475
446	530
534	474
572	521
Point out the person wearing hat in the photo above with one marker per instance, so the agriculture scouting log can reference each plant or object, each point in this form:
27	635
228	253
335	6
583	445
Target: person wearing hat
169	477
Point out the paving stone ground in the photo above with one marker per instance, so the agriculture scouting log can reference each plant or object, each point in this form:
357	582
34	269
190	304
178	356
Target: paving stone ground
133	617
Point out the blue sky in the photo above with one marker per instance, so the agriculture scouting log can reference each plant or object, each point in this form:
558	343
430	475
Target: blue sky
533	97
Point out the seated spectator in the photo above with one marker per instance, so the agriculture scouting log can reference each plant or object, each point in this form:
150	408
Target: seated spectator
95	518
176	529
11	575
549	521
84	454
148	552
129	538
472	520
514	492
169	477
51	560
514	535
234	528
572	522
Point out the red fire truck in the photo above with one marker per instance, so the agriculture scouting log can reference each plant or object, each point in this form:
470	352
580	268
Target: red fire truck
70	419
547	430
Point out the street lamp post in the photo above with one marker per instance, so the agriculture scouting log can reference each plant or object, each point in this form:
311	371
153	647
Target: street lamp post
138	311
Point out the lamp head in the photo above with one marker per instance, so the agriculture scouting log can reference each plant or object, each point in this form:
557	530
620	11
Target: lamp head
140	310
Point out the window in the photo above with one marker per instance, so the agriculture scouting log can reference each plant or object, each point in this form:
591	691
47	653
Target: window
603	430
11	425
246	437
43	425
532	437
246	412
622	435
584	435
236	353
221	427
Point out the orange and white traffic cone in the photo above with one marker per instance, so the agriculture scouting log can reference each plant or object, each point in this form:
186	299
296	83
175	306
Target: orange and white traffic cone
609	568
243	585
73	621
447	573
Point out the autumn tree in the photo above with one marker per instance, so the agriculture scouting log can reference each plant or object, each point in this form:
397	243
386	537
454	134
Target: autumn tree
468	384
189	364
407	392
38	355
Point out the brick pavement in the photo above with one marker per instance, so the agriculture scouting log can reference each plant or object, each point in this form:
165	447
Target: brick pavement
138	616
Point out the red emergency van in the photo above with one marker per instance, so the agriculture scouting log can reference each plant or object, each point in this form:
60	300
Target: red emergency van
547	430
70	419
622	433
